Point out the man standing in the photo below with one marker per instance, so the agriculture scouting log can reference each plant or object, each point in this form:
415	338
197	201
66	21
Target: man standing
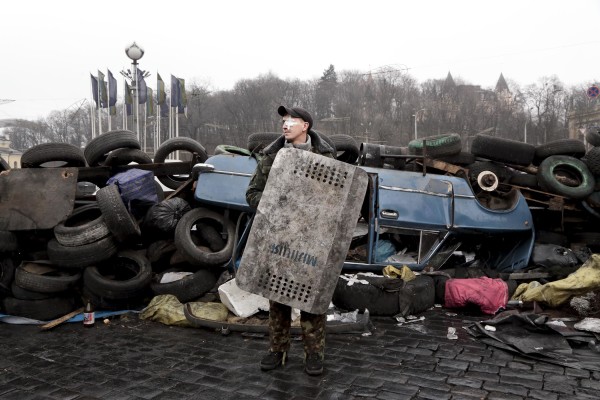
297	133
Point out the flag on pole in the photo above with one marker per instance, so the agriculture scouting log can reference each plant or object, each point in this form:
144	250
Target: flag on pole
141	87
182	107
150	103
128	98
95	89
112	93
174	91
161	96
103	91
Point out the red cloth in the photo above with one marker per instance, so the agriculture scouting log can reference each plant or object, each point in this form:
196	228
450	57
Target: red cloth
489	294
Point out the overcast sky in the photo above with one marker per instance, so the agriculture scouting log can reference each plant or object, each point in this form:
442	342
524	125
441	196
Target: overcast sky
49	48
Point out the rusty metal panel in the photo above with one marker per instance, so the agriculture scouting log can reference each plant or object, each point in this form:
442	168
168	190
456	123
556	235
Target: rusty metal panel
302	230
36	198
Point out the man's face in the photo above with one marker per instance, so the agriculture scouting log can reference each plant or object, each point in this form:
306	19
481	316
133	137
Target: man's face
294	129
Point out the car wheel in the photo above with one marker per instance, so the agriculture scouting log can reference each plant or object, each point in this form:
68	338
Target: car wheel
171	145
117	218
61	154
85	225
81	256
439	145
194	253
502	150
566	147
188	288
576	170
45	278
98	147
126	275
126	156
347	148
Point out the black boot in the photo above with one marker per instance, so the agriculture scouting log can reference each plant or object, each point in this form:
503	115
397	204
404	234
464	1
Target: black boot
272	360
313	364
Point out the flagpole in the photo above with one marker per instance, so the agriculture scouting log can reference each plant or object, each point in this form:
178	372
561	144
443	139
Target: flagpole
99	108
124	105
145	125
93	117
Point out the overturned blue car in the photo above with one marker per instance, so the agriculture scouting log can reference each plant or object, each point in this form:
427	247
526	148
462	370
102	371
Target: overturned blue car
421	219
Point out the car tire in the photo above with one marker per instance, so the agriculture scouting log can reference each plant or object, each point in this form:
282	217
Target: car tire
260	140
193	253
503	173
7	275
103	144
126	275
575	168
188	288
42	310
36	156
437	146
117	218
45	279
347	148
592	136
525	180
592	160
566	147
171	145
502	150
227	149
126	156
85	225
81	256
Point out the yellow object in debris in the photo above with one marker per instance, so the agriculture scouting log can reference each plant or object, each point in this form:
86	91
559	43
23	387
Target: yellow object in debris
168	310
404	273
584	280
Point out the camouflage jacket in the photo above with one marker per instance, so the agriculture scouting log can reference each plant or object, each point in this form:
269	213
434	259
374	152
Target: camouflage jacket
265	161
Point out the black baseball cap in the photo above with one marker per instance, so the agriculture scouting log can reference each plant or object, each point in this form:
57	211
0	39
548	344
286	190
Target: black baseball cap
296	112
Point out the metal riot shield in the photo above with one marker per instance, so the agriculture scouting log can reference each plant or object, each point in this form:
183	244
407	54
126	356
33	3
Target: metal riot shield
302	230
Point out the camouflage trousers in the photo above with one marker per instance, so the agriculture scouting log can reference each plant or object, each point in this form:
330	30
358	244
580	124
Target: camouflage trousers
313	329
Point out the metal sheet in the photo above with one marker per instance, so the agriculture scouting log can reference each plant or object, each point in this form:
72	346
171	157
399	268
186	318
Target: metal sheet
36	198
302	230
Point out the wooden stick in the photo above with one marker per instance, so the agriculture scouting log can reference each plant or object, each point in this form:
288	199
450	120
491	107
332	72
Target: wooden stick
62	319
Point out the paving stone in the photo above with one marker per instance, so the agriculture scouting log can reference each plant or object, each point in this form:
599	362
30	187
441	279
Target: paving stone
432	394
472	383
503	396
504	388
456	364
142	360
579	373
385	395
542	395
470	392
559	387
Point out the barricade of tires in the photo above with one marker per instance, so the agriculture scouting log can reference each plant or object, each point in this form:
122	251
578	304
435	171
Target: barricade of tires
116	254
566	169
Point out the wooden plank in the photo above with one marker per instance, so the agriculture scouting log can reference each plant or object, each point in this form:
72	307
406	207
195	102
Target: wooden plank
62	319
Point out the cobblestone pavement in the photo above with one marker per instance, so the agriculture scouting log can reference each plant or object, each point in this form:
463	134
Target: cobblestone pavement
135	359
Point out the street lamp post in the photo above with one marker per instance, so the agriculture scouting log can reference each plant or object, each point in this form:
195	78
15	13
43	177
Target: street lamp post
415	115
135	52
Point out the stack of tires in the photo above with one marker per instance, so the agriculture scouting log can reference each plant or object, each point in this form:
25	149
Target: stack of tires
103	253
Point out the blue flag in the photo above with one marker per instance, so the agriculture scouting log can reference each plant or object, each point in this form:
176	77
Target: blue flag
141	87
103	91
128	99
94	89
175	96
112	89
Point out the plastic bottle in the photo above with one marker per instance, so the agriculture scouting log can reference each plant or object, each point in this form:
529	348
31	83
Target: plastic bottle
89	317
